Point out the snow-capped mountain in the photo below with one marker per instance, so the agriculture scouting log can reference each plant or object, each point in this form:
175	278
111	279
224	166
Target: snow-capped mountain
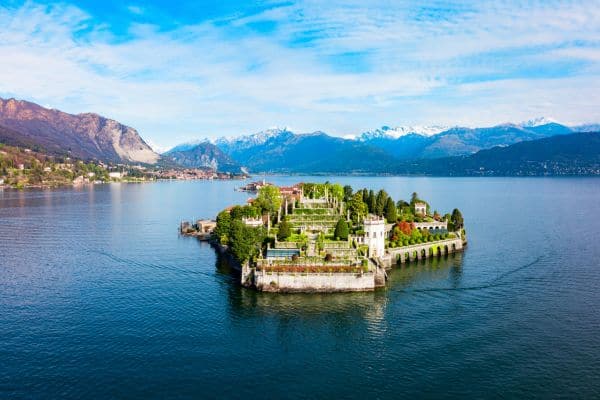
587	128
239	148
251	140
395	133
539	121
279	149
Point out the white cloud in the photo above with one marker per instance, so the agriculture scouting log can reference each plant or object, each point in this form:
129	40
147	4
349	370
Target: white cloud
137	10
224	78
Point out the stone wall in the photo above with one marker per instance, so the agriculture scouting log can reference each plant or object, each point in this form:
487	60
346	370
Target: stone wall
323	282
424	250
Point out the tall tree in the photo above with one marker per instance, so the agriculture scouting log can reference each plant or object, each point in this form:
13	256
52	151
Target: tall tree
269	198
347	192
380	202
414	198
357	207
390	211
365	195
245	241
372	202
457	219
223	226
336	191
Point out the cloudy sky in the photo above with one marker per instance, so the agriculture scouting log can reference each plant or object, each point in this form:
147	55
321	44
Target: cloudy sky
182	70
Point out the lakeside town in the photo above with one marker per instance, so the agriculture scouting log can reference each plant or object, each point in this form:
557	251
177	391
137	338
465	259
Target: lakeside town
22	168
313	237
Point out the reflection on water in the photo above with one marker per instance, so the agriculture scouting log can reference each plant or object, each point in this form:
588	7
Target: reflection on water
428	274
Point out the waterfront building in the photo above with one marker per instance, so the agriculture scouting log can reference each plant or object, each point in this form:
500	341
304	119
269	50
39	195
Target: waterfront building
375	234
420	208
206	225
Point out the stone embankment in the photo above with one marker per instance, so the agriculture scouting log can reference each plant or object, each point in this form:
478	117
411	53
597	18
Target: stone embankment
309	282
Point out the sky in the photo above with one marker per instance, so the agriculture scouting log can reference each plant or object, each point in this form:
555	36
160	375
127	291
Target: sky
183	70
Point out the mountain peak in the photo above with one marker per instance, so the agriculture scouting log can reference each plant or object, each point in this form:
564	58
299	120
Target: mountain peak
185	146
537	122
399	131
86	136
253	139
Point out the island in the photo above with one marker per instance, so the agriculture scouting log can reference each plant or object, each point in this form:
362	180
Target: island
324	237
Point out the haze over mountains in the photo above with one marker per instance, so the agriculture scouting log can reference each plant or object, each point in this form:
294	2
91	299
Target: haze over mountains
571	154
413	149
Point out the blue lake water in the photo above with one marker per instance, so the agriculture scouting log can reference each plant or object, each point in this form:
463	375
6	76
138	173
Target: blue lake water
101	298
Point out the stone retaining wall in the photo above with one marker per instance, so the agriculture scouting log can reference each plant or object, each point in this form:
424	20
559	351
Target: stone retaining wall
325	282
423	250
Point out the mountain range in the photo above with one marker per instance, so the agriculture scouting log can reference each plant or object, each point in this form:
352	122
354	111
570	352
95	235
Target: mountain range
377	151
570	154
409	149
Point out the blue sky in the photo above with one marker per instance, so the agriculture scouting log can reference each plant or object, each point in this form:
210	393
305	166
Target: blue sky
178	71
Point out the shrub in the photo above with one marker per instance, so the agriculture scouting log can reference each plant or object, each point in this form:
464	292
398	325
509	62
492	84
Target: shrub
341	230
284	231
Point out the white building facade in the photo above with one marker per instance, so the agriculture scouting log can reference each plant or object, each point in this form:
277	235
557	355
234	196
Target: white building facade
375	235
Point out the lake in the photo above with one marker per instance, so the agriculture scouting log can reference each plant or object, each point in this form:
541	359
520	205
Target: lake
101	298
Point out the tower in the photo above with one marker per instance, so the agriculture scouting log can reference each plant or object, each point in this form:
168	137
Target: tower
375	235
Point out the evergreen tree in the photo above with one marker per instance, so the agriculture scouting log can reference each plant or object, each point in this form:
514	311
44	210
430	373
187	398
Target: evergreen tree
371	202
457	219
284	231
414	198
347	192
390	211
364	194
380	202
341	230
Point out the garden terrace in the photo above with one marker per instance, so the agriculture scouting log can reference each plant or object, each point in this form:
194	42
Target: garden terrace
297	251
339	244
310	261
315	211
298	219
341	252
287	245
313	269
